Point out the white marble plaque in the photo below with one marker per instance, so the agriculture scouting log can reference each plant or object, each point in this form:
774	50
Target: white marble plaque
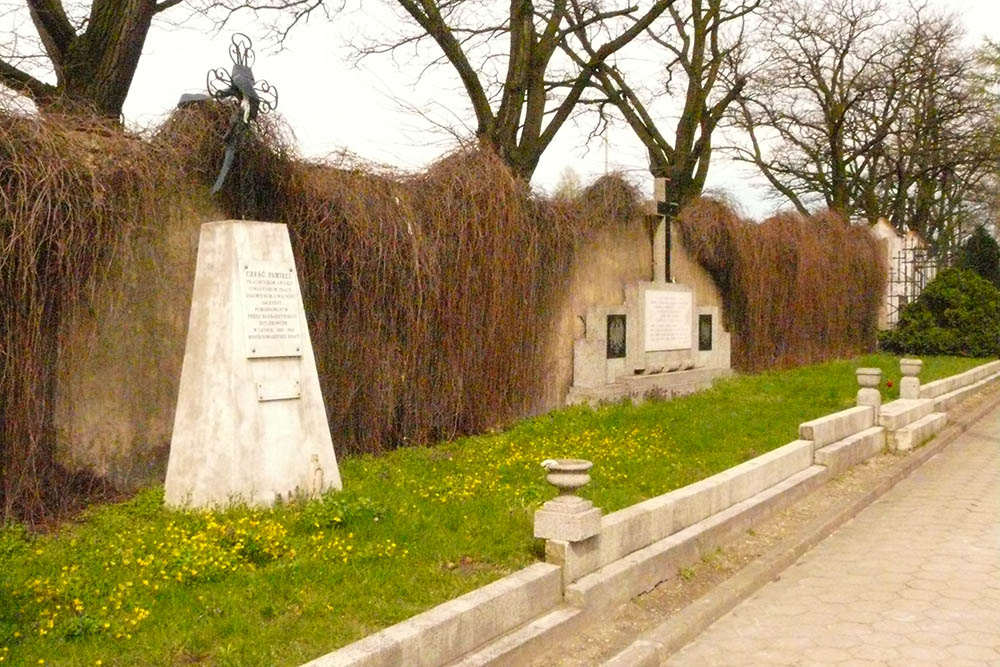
278	390
270	297
668	320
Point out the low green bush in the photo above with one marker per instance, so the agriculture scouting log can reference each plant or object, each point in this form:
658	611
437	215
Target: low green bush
13	540
340	509
957	314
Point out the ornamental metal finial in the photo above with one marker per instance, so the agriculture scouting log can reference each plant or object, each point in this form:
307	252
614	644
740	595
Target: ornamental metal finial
252	97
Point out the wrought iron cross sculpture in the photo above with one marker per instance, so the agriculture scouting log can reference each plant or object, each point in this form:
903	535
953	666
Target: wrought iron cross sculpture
252	97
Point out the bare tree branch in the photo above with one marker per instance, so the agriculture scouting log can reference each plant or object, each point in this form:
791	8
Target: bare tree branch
15	79
874	115
164	5
708	57
509	60
54	29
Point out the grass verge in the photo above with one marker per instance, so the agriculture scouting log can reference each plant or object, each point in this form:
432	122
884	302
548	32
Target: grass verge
133	583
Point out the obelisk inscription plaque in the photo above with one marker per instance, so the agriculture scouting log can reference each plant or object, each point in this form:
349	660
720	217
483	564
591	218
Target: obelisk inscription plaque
270	298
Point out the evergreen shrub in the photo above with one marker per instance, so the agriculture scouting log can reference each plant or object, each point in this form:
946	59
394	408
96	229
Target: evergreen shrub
958	314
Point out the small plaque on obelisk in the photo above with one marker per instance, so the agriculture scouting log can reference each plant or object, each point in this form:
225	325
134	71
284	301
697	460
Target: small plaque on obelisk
270	298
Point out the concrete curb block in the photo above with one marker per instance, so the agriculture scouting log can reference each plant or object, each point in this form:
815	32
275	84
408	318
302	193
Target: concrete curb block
944	402
656	645
939	388
516	647
643	570
850	451
831	428
923	429
456	627
903	412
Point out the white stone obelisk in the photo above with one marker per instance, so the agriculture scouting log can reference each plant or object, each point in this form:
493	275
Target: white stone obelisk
250	425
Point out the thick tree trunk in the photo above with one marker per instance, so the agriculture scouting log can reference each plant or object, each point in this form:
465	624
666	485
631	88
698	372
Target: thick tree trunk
104	59
94	69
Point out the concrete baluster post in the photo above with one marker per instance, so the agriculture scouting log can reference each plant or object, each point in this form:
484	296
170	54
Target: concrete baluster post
869	380
909	386
569	524
567	517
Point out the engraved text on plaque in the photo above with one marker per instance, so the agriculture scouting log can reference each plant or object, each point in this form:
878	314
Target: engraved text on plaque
668	320
270	297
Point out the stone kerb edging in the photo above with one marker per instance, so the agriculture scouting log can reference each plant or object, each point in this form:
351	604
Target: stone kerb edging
656	645
952	390
947	401
831	428
845	438
903	412
641	525
949	384
621	580
852	450
636	547
450	630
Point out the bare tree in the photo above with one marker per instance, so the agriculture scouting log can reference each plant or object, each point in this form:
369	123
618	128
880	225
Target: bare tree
510	60
93	54
871	116
705	44
934	164
829	64
988	59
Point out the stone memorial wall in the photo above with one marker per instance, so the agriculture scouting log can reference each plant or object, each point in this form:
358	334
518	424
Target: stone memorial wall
106	426
670	326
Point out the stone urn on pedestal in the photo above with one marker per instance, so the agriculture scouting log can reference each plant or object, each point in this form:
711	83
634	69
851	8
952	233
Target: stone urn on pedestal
567	516
869	380
909	386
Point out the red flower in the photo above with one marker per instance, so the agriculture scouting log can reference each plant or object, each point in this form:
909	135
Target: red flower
888	383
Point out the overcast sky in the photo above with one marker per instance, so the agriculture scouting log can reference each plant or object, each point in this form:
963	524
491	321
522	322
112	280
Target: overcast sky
332	104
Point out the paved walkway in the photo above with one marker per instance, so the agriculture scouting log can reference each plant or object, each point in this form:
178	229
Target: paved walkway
913	580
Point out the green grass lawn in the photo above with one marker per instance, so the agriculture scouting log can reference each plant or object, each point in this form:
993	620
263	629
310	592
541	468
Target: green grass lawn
133	583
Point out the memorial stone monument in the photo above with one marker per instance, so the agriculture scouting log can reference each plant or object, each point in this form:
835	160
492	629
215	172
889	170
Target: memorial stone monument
659	340
250	424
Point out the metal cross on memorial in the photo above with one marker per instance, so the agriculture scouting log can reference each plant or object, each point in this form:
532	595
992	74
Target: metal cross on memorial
252	97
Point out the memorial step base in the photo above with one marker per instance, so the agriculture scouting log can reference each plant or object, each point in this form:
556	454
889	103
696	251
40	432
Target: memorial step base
639	387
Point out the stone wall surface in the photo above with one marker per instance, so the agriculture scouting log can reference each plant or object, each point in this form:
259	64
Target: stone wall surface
120	368
598	275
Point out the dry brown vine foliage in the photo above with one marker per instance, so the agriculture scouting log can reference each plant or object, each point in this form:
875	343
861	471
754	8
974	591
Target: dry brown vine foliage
797	289
428	295
72	194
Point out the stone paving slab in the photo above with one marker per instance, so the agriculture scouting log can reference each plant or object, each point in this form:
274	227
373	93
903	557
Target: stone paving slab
913	580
